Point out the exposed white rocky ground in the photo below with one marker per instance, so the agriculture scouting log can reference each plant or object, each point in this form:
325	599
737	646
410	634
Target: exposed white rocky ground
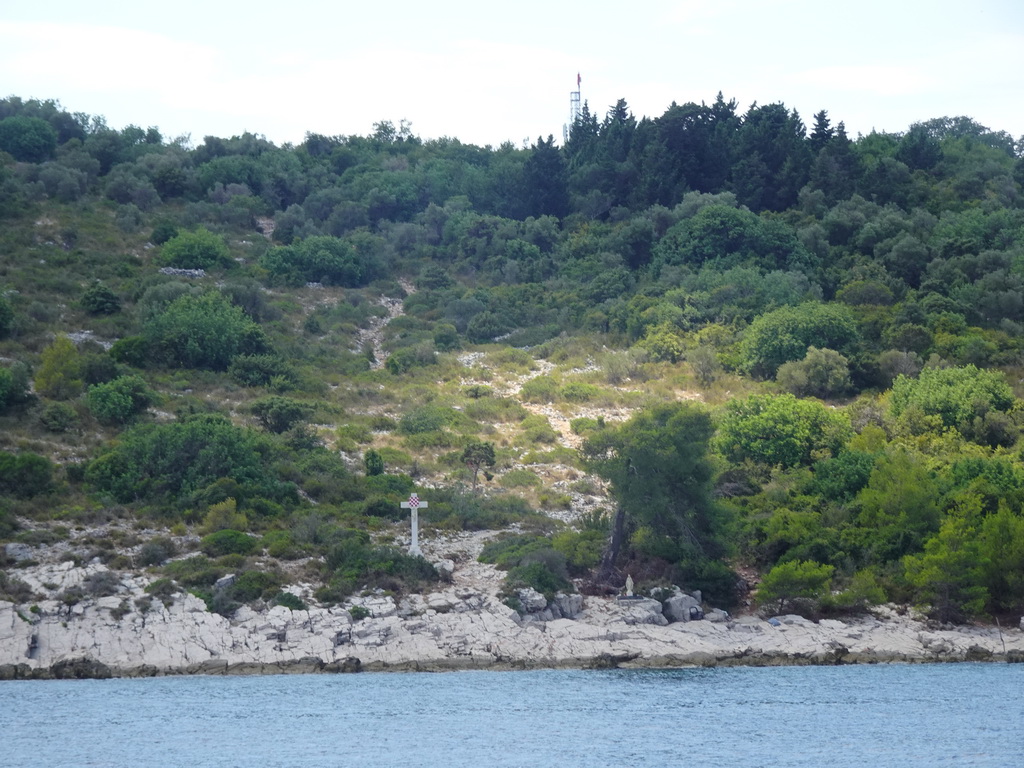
463	624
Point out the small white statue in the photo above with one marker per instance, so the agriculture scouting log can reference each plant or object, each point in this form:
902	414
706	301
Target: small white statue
629	586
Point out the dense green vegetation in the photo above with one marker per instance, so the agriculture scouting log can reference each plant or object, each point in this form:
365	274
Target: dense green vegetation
186	341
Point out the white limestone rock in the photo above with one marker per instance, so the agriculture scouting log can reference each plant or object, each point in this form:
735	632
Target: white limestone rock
17	551
642	611
683	607
436	601
569	606
532	600
445	568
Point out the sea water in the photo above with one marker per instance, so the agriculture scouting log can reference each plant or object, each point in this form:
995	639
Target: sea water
826	717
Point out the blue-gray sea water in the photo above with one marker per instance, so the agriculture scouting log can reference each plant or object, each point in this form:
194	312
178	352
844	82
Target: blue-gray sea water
826	717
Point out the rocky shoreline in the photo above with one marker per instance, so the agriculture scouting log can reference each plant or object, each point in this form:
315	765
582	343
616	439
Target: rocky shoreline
456	628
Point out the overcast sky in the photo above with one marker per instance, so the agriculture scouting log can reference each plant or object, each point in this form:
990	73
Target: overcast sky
492	72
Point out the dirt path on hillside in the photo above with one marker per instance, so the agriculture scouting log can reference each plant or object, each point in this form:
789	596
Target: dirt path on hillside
373	336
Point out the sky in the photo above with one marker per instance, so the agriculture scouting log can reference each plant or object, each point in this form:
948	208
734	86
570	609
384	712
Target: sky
487	73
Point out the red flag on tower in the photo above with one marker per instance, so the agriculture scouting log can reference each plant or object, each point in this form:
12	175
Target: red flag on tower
578	81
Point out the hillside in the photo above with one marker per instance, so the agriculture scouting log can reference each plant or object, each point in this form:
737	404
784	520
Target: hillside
712	350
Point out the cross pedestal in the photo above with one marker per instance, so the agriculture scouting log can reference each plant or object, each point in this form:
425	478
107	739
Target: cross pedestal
414	504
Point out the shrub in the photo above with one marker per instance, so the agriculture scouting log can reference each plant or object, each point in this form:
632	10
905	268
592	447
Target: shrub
98	299
60	371
290	601
204	331
119	401
131	350
101	583
426	418
27	139
322	259
14	385
279	414
795	584
822	373
200	249
251	585
539	575
799	431
156	551
537	429
224	516
261	370
6	316
373	462
582	549
509	551
185	457
960	397
446	337
25	474
785	334
585	424
540	389
579	392
163	231
228	542
519	478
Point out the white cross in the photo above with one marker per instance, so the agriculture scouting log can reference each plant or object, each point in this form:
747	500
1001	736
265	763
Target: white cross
414	504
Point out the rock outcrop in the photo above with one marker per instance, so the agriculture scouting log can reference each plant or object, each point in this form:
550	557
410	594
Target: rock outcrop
456	627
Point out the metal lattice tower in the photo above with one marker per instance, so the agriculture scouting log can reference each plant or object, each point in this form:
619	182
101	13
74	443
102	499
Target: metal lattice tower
574	110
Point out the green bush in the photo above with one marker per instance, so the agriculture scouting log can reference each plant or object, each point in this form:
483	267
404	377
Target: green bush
252	585
508	551
358	613
279	414
6	316
281	544
582	549
290	601
785	334
539	575
25	474
119	401
59	375
178	459
228	542
958	397
261	371
795	585
14	385
373	463
537	429
540	389
579	392
780	429
323	259
200	249
131	350
352	560
156	551
426	418
519	478
204	331
585	424
27	139
98	299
